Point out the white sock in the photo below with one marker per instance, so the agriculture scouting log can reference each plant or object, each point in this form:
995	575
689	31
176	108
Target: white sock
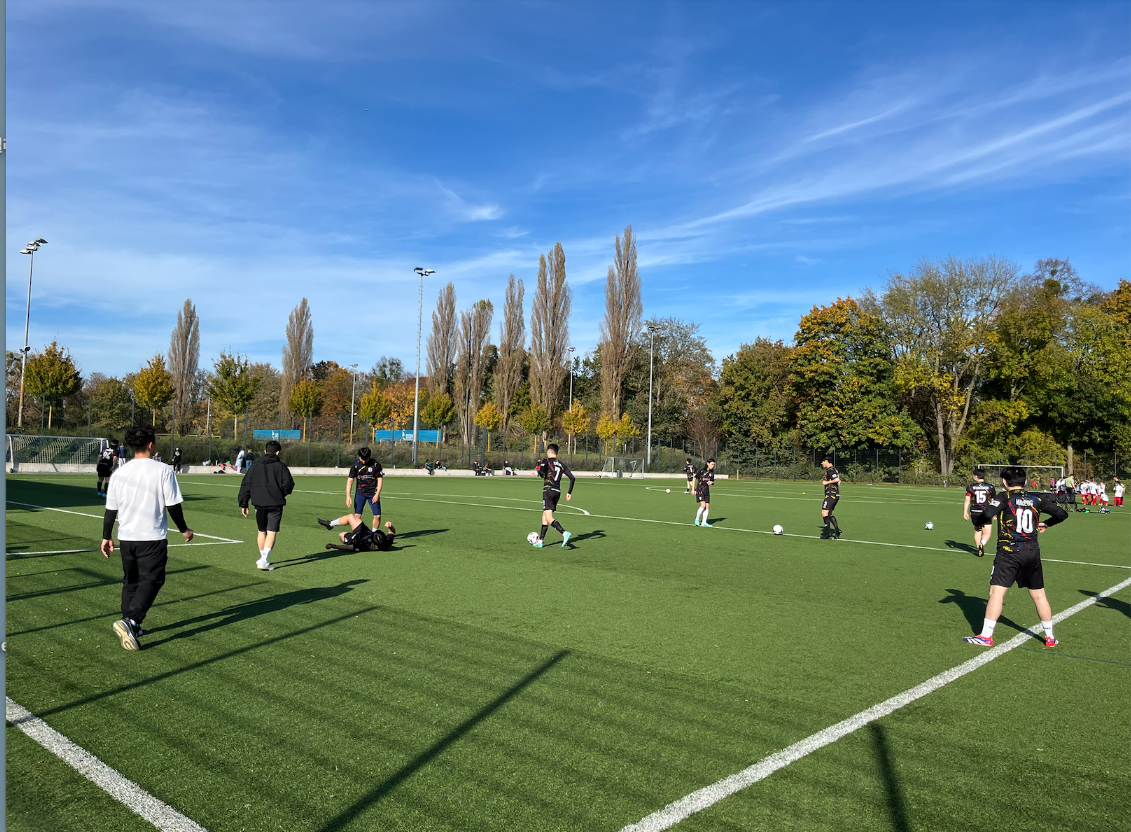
988	628
1047	627
265	552
706	511
334	523
698	512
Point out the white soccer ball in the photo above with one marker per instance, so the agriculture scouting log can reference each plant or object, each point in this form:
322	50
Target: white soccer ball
667	491
779	530
929	525
532	538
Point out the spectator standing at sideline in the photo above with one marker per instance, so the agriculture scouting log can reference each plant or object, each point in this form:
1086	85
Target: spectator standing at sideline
267	485
138	497
240	457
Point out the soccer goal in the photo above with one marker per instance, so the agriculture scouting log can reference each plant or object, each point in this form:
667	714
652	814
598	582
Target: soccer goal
623	466
58	450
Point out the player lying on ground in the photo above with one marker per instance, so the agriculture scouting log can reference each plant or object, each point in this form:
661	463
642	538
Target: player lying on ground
551	470
360	538
978	496
1018	552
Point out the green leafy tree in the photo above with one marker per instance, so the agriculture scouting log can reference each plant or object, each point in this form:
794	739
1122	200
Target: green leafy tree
52	376
626	429
489	418
607	431
842	377
233	385
754	398
438	412
375	407
110	403
153	386
535	420
575	421
305	401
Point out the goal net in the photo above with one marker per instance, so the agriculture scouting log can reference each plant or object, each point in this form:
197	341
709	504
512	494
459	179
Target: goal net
623	466
60	450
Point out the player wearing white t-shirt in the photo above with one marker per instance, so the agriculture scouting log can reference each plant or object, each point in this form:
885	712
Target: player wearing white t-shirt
1101	492
138	496
1118	491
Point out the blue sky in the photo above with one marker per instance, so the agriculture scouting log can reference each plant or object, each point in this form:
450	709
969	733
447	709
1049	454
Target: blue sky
769	156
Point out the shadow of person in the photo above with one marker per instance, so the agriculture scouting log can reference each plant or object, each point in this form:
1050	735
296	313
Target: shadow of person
253	609
587	536
1109	602
420	533
313	557
961	547
975	610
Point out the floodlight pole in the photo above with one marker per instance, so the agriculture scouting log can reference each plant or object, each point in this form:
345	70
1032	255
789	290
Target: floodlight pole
30	250
353	394
651	345
420	270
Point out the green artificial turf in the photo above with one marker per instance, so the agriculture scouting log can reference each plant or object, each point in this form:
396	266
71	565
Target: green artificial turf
466	680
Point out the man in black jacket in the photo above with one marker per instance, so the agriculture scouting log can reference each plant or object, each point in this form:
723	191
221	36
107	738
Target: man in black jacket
267	485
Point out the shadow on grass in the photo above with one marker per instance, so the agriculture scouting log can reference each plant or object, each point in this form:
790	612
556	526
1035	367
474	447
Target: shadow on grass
1109	602
975	610
252	609
897	804
596	533
420	533
961	547
93	585
346	816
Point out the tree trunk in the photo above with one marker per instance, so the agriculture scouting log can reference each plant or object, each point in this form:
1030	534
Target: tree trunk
50	413
1070	459
942	438
304	427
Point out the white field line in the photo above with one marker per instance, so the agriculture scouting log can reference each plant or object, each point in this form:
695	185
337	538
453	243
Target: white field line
126	792
697	801
18	555
99	517
818	494
680	523
561	506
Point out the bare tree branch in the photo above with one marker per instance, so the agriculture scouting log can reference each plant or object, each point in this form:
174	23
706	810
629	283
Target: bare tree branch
298	352
512	348
549	331
442	342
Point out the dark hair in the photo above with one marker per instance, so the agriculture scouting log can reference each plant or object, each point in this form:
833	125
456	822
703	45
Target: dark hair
272	447
140	438
1013	476
552	447
712	459
828	459
364	454
689	459
980	473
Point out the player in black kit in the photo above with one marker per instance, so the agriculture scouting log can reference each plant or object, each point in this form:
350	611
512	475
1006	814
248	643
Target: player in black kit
703	481
369	476
360	538
832	496
978	495
551	470
1018	556
105	467
689	472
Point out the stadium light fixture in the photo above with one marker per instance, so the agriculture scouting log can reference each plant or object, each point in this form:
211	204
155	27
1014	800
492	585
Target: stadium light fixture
651	350
422	272
30	250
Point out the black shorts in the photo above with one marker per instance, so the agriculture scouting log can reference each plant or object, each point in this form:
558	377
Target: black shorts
829	503
359	538
268	518
979	520
1022	566
550	499
703	494
104	469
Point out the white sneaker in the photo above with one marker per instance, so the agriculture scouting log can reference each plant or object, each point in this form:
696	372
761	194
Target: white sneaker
264	565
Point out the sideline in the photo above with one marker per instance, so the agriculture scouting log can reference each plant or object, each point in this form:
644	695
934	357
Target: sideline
126	792
708	796
99	517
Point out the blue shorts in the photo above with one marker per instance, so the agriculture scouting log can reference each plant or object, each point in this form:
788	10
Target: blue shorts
360	501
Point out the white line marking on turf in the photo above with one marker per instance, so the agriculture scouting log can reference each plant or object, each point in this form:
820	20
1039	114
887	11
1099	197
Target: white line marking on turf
697	801
1085	563
99	517
18	555
126	792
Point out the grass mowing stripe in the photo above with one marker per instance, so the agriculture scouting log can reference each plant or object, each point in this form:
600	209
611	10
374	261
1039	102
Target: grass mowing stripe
126	792
99	517
708	796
